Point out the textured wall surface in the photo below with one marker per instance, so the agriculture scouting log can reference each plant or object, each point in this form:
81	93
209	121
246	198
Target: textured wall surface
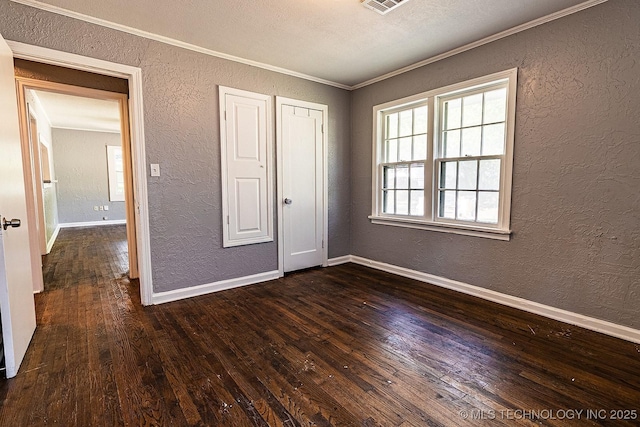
182	135
576	199
80	160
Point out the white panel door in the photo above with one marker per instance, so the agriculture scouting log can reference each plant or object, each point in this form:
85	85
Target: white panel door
302	187
16	290
246	150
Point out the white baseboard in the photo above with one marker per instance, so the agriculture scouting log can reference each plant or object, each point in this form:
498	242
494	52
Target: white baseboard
92	223
53	238
194	291
339	260
602	326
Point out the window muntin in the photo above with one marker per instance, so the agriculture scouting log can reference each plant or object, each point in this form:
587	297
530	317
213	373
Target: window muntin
444	158
403	160
470	154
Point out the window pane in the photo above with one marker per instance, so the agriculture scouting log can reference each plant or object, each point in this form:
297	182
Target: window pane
493	139
448	175
495	103
466	205
417	176
452	113
489	177
451	144
389	202
392	125
406	122
417	202
405	149
467	175
389	177
471	141
420	120
420	147
472	111
402	202
488	207
392	151
447	207
402	177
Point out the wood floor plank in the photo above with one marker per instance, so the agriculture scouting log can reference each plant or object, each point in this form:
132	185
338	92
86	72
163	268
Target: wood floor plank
341	346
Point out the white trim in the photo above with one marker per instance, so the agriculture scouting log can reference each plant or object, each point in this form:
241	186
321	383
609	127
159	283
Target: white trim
173	42
433	100
136	115
91	223
86	129
167	40
591	323
488	233
194	291
339	260
280	101
53	238
511	31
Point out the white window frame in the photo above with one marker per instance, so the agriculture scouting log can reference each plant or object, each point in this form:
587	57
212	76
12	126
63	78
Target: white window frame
114	194
430	220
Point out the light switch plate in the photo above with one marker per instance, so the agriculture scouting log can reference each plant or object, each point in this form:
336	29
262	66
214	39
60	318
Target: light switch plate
155	169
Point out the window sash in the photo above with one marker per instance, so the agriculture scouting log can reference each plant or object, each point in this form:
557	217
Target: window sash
434	101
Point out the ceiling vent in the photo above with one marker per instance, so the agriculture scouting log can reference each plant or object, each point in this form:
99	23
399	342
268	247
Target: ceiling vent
382	6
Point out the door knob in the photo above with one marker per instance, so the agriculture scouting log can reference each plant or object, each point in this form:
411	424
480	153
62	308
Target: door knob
288	201
15	223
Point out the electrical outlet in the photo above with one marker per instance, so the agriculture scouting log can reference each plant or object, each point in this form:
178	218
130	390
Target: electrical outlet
106	207
95	208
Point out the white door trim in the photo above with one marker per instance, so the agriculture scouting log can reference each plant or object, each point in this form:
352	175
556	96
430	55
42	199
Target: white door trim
280	101
136	116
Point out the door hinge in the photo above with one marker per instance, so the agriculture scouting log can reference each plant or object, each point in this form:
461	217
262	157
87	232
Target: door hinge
227	219
225	115
322	128
323	244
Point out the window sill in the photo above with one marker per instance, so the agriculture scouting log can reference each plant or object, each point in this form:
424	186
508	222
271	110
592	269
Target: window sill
466	230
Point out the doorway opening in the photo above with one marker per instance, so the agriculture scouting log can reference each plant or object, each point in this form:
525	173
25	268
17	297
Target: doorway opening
131	111
77	163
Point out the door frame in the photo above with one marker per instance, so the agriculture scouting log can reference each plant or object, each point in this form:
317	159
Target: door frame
135	123
280	101
33	181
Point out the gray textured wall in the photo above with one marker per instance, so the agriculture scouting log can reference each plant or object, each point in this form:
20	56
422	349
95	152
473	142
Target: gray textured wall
576	199
80	161
182	134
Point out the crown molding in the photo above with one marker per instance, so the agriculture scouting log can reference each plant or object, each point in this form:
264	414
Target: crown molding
170	41
514	30
173	42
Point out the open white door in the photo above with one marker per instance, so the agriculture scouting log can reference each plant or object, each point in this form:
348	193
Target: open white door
16	290
301	160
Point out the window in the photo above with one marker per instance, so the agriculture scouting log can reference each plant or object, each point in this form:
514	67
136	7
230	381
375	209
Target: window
443	158
115	167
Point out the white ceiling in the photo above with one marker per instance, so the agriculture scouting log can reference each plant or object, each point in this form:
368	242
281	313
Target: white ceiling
339	41
74	112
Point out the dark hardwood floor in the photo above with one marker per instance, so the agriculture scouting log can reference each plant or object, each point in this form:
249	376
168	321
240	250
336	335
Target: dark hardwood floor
341	346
